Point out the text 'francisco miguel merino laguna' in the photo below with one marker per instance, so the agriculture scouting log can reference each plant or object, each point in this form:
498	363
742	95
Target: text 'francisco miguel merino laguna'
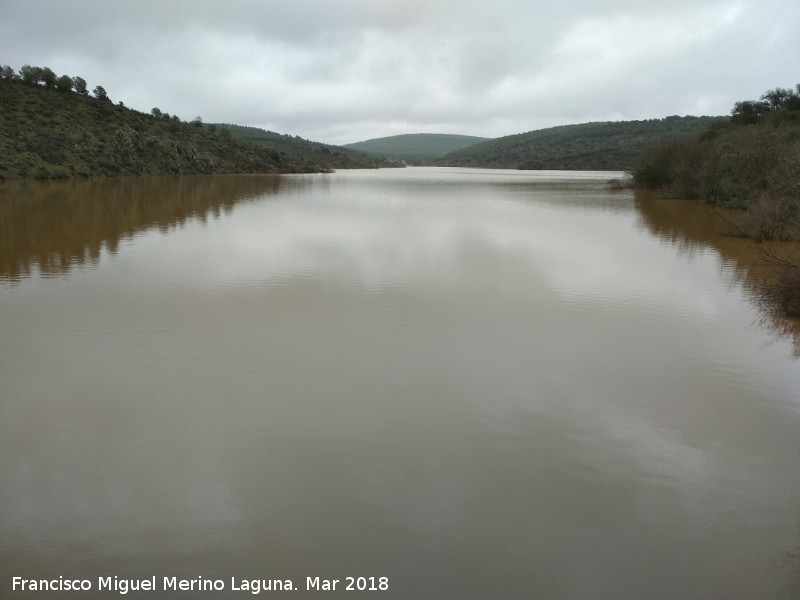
199	584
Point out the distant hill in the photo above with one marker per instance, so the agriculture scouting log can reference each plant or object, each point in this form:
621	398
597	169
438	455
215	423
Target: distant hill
48	132
415	148
338	156
613	146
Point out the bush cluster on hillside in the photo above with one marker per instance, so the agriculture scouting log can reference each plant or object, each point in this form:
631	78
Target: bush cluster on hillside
753	155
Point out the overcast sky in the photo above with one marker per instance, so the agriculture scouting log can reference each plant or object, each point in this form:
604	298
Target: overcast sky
342	71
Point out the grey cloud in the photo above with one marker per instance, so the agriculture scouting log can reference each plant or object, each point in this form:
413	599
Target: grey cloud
345	70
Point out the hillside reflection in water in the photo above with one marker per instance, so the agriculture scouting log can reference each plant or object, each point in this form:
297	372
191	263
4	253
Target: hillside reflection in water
694	227
52	226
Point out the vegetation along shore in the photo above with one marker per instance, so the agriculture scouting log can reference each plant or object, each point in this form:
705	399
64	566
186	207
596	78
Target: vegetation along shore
750	161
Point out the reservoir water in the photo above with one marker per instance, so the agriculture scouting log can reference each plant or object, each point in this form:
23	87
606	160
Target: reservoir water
473	383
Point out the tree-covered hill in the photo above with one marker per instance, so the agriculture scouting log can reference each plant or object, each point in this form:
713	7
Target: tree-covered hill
415	148
51	128
603	146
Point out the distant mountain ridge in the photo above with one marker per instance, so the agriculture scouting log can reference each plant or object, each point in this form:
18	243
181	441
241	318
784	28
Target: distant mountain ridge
415	148
599	146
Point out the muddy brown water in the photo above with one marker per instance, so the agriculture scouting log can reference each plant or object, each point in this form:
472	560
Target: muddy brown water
472	383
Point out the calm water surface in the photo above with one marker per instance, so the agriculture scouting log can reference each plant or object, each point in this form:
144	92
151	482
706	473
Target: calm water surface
479	384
